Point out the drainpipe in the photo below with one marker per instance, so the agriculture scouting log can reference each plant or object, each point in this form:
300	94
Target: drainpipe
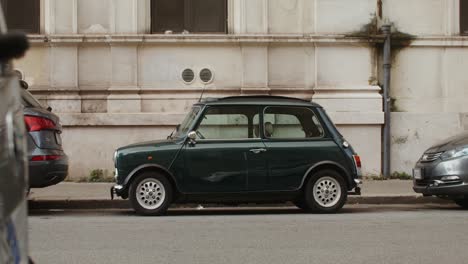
387	66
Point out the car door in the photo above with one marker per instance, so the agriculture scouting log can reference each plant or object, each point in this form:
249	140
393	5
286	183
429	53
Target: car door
227	153
295	140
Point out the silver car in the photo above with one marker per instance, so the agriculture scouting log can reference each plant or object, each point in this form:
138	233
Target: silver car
443	170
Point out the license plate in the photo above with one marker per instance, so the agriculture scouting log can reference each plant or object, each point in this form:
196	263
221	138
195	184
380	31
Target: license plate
58	138
417	174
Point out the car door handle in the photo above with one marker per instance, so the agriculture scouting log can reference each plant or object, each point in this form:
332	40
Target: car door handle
256	151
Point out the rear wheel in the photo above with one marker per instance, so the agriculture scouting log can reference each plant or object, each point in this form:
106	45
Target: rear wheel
325	192
462	203
150	193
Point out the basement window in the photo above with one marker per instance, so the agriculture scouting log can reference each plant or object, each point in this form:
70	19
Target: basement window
188	16
464	17
22	15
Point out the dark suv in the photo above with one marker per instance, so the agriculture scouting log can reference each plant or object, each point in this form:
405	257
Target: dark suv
242	149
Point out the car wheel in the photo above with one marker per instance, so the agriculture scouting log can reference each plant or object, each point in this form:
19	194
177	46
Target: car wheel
150	194
325	192
462	203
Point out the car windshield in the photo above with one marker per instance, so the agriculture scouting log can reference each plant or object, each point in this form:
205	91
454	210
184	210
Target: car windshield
183	128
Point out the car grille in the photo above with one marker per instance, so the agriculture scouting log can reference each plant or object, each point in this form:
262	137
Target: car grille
424	182
428	157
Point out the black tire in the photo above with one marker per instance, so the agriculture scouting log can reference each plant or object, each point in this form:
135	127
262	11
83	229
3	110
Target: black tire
332	190
463	203
158	186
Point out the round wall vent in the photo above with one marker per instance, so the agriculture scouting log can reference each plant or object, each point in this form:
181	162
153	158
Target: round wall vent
188	75
206	75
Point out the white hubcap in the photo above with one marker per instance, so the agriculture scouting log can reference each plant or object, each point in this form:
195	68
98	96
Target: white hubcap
327	191
150	194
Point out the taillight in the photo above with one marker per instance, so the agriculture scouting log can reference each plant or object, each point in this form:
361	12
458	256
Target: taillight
357	160
35	123
46	157
357	163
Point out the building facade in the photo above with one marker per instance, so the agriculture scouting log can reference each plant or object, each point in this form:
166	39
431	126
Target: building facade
123	71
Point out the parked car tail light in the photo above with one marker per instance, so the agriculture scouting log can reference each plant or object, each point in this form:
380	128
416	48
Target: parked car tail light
357	163
46	157
35	123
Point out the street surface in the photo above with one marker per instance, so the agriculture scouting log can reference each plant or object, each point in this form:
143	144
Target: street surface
360	234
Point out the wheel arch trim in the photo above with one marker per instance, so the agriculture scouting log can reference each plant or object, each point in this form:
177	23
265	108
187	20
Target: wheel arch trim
307	174
140	168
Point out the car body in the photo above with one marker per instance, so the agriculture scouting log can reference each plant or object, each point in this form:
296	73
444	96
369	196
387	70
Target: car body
48	163
221	153
443	170
13	166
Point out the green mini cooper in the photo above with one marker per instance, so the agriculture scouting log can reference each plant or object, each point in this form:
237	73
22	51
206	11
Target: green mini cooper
256	149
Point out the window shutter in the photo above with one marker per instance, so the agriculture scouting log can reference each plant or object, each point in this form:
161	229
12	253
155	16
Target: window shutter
208	16
167	15
464	17
22	15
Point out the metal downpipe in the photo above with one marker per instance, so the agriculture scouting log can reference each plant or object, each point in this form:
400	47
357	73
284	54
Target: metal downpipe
387	66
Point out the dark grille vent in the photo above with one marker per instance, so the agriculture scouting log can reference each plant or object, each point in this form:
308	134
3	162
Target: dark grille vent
188	75
206	75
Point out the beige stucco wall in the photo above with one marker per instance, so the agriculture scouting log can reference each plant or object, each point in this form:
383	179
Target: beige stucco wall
114	83
429	78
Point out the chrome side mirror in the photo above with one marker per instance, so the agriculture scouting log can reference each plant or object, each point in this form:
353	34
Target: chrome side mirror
192	137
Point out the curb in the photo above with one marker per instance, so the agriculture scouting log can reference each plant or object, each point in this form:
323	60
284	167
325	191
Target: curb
125	204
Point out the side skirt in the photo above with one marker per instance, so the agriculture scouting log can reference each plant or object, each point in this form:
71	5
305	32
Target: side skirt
237	198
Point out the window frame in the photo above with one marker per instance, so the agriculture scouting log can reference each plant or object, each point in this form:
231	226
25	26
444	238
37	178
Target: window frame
206	108
188	19
324	136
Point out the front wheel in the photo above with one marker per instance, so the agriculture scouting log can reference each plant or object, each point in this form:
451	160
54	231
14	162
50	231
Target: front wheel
150	194
326	192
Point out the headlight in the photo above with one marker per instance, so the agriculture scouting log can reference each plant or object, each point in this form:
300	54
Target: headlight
455	153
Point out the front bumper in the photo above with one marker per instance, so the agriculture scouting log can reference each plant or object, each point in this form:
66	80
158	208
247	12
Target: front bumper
449	189
116	190
433	181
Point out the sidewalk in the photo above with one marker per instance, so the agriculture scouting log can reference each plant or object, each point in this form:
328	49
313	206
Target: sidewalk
97	195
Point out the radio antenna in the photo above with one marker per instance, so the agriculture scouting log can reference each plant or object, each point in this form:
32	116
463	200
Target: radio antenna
203	91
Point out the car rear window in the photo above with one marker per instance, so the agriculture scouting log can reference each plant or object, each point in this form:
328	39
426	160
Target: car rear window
28	100
291	123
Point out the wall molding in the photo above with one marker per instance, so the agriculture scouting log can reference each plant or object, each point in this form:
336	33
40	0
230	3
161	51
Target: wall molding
156	119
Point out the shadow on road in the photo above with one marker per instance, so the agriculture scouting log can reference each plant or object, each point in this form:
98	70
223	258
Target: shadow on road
223	211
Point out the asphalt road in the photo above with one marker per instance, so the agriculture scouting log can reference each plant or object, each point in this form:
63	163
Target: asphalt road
360	234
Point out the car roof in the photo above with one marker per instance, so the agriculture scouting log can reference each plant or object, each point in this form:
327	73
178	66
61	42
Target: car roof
257	100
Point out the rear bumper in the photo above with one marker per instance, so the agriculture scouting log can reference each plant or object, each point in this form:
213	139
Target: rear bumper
47	173
357	188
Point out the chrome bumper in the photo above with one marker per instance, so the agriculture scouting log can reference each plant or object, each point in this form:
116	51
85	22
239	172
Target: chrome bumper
115	190
357	189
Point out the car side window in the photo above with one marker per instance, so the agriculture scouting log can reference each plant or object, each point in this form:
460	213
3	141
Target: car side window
291	122
229	122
